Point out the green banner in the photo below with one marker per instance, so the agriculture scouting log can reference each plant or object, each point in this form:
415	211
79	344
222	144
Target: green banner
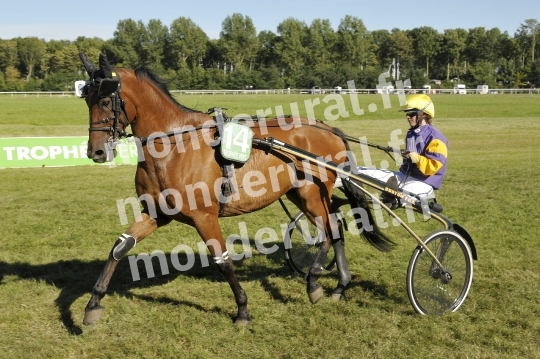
57	152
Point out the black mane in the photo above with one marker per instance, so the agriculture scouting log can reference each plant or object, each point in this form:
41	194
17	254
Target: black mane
144	72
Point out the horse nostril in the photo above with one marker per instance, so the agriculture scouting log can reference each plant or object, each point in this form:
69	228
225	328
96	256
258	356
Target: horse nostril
99	153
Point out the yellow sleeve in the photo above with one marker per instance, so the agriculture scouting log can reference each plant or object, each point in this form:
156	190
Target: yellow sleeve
436	153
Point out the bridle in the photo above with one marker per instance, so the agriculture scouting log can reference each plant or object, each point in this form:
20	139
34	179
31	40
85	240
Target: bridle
113	129
109	88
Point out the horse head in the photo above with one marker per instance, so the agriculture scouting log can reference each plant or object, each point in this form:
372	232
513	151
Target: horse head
108	117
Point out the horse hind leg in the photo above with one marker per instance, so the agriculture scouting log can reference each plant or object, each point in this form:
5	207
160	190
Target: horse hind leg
314	288
317	212
344	275
136	233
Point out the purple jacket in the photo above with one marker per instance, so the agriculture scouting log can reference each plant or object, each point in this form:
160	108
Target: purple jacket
429	150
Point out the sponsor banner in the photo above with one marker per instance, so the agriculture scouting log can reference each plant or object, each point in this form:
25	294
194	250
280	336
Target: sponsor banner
16	152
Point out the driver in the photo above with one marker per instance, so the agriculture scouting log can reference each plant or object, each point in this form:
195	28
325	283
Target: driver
426	148
425	154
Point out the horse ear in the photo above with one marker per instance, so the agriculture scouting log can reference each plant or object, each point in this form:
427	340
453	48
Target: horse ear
105	67
88	65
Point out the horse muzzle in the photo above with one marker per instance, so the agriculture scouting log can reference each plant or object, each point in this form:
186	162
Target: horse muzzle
101	154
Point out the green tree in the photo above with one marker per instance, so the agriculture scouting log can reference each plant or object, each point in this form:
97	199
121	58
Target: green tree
90	46
321	41
355	44
483	73
402	47
30	50
13	79
478	46
383	47
519	79
188	43
452	48
197	78
183	79
291	50
426	42
529	33
65	59
214	78
127	43
55	45
271	78
8	54
214	55
494	38
239	41
534	76
153	42
267	55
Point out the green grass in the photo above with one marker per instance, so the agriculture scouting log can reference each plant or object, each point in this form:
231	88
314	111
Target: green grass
58	225
59	116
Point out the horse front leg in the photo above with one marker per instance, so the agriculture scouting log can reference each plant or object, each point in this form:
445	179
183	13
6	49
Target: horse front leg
226	268
136	233
210	232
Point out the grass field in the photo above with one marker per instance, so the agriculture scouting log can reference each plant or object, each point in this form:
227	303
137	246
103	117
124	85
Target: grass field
58	225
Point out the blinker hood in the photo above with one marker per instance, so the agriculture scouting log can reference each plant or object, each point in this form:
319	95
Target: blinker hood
105	75
108	86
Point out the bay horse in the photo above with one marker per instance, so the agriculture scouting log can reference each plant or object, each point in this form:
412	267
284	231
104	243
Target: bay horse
170	160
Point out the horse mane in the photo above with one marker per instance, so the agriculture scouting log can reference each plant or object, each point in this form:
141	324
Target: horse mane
161	84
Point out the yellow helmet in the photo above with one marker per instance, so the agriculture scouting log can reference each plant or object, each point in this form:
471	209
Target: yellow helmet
420	102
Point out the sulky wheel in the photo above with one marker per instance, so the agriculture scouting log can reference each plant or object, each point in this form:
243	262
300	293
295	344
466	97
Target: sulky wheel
302	244
435	290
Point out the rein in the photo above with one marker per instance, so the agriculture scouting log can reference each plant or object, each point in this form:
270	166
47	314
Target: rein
144	140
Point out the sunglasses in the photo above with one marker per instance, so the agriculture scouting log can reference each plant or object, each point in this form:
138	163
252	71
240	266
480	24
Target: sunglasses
411	113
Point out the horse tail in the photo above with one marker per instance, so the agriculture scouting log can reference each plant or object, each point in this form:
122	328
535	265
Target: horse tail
360	206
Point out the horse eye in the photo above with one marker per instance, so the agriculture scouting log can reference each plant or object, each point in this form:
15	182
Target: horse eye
105	102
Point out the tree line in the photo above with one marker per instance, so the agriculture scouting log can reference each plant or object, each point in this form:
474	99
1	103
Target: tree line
297	55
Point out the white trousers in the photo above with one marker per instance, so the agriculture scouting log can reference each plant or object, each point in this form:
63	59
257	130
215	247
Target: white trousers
410	185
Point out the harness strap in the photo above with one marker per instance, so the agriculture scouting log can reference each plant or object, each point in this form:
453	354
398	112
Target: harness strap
227	167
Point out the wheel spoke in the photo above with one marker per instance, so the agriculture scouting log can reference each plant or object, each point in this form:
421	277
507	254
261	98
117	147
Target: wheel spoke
428	293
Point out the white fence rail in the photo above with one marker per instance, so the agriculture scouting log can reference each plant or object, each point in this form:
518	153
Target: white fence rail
40	93
286	91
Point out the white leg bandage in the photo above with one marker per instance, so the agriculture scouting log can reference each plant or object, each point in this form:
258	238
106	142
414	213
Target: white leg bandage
126	243
221	259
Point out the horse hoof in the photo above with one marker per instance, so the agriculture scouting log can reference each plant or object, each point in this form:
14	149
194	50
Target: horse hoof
242	322
337	297
92	315
316	295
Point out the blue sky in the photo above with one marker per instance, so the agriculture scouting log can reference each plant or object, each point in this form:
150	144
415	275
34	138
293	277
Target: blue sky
65	20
